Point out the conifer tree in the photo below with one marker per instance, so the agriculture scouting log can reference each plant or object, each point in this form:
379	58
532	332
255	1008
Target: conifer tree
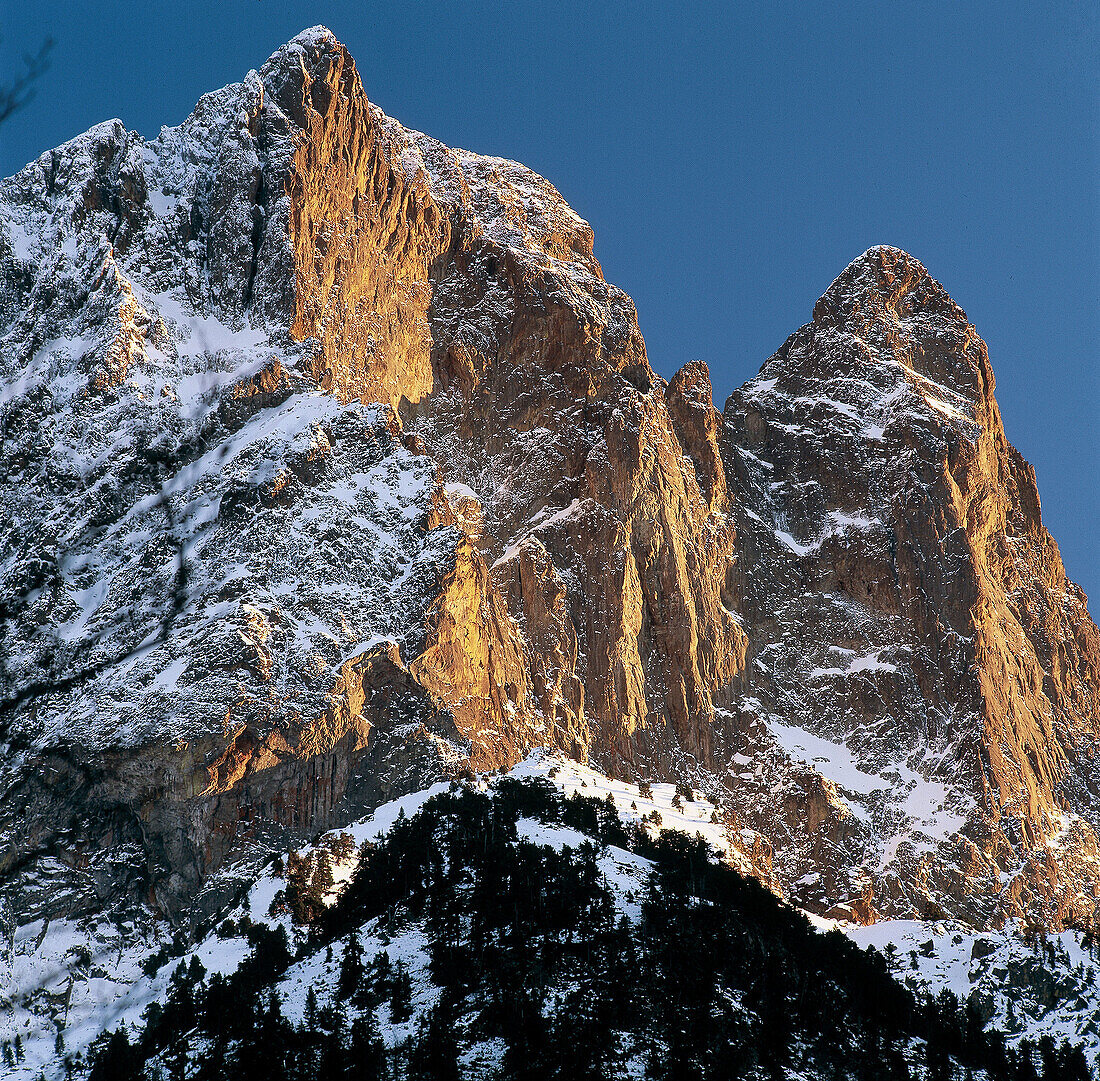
434	1056
351	968
116	1059
366	1051
400	994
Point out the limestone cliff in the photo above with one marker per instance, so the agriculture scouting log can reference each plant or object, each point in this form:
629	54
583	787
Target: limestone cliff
335	467
905	604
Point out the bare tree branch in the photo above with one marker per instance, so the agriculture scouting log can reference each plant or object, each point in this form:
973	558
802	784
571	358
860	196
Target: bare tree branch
17	93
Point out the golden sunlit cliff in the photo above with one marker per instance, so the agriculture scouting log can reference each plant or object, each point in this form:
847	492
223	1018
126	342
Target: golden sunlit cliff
339	468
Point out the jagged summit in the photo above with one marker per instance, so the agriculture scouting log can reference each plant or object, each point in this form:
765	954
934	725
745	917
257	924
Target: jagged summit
336	467
882	275
884	300
881	269
885	263
301	74
311	36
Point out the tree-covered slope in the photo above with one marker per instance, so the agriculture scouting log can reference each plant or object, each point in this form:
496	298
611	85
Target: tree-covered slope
516	933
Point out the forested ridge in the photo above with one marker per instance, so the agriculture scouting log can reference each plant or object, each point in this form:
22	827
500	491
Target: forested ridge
536	972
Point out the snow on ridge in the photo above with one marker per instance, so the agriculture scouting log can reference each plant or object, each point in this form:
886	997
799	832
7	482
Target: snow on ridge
900	805
544	519
694	817
113	987
202	335
861	522
312	35
799	549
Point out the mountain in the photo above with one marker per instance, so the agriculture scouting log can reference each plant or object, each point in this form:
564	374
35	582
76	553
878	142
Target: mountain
907	605
334	468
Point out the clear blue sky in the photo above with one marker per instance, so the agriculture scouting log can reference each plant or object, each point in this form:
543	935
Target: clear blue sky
732	158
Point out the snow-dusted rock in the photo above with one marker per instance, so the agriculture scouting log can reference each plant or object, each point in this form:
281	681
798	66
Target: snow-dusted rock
912	635
333	466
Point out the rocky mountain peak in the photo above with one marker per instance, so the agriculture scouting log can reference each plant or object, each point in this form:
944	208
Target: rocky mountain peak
886	305
881	498
338	467
882	278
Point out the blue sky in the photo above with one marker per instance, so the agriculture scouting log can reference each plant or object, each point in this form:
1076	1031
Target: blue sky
732	158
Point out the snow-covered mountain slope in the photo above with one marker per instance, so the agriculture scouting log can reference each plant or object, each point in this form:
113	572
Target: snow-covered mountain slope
87	978
93	974
189	324
334	468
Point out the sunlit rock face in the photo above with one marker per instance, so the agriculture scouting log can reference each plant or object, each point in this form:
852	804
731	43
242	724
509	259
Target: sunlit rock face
904	602
334	466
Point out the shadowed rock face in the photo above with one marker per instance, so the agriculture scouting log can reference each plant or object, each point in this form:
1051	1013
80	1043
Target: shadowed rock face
337	467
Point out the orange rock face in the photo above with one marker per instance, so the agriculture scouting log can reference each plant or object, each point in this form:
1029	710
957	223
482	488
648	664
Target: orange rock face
913	609
364	238
439	510
523	373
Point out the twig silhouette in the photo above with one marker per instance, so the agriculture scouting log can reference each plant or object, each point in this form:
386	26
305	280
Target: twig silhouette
17	93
